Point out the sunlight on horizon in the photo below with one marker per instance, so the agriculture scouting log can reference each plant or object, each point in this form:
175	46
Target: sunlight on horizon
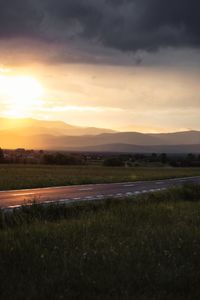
21	94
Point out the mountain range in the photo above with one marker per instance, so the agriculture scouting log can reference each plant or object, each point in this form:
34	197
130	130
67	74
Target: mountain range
56	135
57	128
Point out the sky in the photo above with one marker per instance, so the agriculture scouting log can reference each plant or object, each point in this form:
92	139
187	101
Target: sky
131	65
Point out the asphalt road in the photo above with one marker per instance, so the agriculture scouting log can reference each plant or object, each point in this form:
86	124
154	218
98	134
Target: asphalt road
68	194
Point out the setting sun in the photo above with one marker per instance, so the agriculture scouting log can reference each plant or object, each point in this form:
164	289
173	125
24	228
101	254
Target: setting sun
21	93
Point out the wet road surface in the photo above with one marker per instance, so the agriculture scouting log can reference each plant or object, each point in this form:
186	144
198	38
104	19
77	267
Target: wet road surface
65	194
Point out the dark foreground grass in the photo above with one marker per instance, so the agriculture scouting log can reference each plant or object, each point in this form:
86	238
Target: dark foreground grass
31	176
144	248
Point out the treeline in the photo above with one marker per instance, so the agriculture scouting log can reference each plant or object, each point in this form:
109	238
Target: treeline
22	156
62	159
1	156
154	159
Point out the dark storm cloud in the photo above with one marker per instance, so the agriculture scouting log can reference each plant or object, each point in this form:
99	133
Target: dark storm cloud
19	18
127	25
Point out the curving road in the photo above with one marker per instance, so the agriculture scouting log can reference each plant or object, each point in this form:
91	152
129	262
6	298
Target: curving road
68	194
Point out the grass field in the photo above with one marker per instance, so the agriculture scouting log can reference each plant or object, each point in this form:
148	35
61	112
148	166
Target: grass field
141	249
30	176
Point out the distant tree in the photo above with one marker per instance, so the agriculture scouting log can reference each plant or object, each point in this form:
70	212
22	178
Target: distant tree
1	156
62	159
113	162
191	157
163	158
139	156
154	156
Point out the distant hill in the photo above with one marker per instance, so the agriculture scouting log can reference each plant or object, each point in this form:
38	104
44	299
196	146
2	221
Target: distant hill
184	137
37	127
127	148
35	134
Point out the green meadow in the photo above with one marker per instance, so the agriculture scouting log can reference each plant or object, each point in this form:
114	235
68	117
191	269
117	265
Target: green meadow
139	248
31	176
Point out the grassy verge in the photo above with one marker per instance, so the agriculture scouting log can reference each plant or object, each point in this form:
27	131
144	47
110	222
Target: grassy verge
148	248
31	176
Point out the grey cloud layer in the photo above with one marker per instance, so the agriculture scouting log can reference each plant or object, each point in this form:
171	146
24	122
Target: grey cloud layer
127	25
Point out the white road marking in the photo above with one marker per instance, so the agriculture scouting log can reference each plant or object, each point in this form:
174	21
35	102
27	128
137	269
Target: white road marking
95	184
14	206
23	194
85	189
58	201
29	192
119	195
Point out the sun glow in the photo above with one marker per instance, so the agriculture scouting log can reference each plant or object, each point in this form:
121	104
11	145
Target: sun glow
20	94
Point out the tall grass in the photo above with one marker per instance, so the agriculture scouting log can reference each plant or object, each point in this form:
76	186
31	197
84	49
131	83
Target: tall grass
140	248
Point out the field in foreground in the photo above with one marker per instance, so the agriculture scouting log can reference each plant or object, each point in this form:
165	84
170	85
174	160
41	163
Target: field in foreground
31	176
144	248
